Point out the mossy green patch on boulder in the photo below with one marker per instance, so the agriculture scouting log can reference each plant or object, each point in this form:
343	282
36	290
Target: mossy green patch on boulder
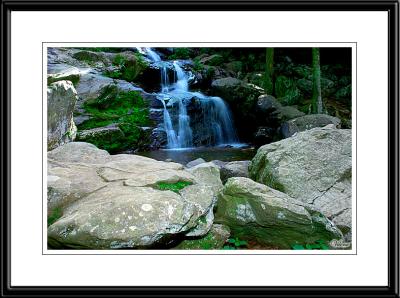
125	111
129	66
53	215
175	187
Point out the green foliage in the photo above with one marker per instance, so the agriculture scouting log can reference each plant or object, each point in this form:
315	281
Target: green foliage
119	60
74	79
216	60
53	216
175	187
197	65
180	53
286	90
235	243
317	245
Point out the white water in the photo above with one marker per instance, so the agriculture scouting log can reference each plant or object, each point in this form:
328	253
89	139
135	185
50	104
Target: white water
216	125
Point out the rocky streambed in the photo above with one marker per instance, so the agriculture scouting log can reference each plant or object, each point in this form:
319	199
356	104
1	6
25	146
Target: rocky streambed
120	201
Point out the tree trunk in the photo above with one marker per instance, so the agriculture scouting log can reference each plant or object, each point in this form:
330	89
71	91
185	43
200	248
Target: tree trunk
269	70
316	97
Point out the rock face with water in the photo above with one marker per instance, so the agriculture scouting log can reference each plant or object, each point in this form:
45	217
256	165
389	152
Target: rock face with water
61	99
315	167
192	118
255	211
114	201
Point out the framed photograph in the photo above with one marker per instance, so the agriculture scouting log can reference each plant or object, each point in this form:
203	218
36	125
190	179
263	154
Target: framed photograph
197	148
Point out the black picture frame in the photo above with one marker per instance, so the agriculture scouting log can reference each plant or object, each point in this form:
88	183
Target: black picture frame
392	290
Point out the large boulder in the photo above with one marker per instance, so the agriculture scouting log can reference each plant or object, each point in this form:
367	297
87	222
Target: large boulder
92	84
314	167
61	99
126	201
255	211
306	122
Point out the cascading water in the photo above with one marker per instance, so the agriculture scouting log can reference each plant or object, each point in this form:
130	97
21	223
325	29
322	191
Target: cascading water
215	127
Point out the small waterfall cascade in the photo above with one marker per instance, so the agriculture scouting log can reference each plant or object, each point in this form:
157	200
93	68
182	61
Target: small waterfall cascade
214	126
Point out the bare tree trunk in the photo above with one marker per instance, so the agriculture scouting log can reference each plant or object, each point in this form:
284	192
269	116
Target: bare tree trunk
269	70
316	97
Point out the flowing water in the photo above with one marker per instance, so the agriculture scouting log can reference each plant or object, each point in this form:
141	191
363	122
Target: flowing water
214	124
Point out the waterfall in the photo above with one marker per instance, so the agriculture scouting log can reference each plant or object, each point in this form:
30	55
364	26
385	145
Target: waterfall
182	83
216	124
171	135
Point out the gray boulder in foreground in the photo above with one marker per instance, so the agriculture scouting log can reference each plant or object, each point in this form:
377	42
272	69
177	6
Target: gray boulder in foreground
315	167
115	201
255	211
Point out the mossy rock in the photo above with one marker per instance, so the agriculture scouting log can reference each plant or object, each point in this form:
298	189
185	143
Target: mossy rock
257	212
129	66
89	57
73	78
108	138
118	121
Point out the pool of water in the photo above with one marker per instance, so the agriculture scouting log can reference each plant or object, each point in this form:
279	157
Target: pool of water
183	156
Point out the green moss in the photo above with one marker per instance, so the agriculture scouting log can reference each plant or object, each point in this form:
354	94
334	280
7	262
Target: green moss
197	65
176	187
129	68
74	79
88	57
261	171
207	242
53	216
125	108
119	60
